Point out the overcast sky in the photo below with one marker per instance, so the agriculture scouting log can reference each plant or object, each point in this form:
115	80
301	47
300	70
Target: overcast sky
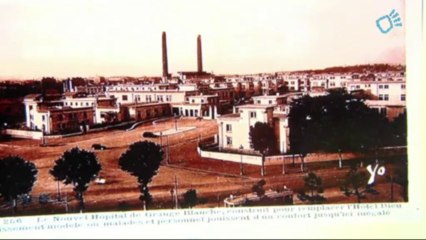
87	38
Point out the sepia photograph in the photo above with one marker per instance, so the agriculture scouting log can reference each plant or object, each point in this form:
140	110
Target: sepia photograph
121	106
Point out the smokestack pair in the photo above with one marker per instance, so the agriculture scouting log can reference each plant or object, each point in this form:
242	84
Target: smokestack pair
165	61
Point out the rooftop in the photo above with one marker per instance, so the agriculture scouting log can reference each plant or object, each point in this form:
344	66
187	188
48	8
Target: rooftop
232	115
144	104
256	106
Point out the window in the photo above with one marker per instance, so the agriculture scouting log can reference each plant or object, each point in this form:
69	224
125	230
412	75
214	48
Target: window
258	101
381	97
87	104
380	86
124	97
402	86
402	97
202	100
228	127
148	98
252	114
160	98
386	86
43	118
169	98
31	107
71	103
229	140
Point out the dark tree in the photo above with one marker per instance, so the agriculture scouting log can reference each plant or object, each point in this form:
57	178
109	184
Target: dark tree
313	184
354	183
142	160
399	130
190	197
263	139
336	122
399	175
17	177
77	167
282	89
49	85
258	188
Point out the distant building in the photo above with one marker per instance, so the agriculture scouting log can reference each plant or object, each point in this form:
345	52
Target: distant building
51	117
234	128
388	97
146	111
202	106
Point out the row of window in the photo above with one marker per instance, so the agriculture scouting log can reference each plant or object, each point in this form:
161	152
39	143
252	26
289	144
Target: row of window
61	116
270	102
148	98
76	104
385	97
381	86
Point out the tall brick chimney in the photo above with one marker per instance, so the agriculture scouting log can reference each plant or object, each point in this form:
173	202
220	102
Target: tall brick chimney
165	64
199	54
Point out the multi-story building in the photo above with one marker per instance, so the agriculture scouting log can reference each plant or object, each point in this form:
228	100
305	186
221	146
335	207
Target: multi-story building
202	106
140	96
146	111
51	117
234	128
388	97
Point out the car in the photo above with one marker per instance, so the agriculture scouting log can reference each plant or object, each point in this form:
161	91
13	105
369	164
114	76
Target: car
149	135
97	146
100	180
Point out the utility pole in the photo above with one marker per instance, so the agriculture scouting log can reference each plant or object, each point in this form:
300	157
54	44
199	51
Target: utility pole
283	165
168	150
59	192
241	160
66	202
176	193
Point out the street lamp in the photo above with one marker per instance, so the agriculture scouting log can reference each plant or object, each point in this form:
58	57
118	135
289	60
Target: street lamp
176	122
241	160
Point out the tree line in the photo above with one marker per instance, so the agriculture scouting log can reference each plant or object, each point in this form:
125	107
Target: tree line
79	167
341	122
357	69
335	123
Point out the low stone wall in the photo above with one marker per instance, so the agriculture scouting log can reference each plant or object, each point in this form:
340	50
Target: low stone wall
310	158
231	157
324	157
16	133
